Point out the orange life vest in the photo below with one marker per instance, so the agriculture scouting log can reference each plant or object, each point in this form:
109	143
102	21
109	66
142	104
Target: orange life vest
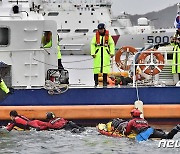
106	38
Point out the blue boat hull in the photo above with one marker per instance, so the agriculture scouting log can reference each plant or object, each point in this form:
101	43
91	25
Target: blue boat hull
93	96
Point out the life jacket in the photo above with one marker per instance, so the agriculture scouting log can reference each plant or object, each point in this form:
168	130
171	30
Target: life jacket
98	38
137	124
140	124
57	123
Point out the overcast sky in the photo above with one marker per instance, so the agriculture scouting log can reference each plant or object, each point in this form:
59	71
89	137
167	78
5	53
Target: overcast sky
140	6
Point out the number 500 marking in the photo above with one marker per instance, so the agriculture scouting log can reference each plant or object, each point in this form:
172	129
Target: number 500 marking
157	39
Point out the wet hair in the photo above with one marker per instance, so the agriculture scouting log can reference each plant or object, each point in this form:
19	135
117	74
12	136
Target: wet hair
13	113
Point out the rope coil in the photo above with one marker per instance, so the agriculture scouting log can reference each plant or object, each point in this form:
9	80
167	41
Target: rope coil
55	88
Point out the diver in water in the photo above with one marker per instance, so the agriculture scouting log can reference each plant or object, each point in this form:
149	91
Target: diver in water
24	123
60	123
141	127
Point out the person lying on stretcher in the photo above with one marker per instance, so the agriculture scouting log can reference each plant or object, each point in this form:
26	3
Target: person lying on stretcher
141	127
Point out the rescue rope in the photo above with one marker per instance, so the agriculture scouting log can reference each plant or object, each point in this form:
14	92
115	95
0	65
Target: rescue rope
137	92
86	68
55	88
77	61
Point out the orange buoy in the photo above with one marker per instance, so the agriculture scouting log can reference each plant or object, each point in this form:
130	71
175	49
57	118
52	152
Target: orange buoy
154	68
123	63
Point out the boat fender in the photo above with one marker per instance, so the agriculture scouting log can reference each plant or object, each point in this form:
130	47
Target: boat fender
143	136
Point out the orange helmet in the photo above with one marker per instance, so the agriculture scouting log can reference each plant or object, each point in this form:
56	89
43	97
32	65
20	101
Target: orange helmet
136	113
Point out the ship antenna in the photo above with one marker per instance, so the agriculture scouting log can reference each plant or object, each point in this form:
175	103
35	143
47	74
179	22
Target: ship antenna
17	1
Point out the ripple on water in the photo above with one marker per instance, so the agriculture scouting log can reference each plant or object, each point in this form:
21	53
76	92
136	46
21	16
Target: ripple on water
88	142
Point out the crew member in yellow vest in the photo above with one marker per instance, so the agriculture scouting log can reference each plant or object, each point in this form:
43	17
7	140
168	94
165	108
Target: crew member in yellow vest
102	50
3	86
176	55
175	42
60	66
48	44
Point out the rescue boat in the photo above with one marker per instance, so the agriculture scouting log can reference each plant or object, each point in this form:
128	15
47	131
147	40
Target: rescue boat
37	86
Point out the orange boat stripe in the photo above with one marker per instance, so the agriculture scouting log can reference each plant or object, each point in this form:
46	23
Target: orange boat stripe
91	111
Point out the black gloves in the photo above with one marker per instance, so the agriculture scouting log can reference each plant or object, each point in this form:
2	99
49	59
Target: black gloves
156	46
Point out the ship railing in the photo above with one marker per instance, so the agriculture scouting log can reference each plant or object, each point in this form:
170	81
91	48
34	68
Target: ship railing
71	47
15	50
166	63
10	16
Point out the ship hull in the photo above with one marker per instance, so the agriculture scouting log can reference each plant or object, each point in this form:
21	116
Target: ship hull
95	104
93	96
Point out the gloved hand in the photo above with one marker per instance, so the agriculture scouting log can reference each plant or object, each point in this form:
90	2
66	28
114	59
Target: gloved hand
94	56
111	55
11	91
38	129
156	46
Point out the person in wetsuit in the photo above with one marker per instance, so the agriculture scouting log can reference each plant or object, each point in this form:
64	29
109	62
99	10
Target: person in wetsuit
60	123
24	123
144	131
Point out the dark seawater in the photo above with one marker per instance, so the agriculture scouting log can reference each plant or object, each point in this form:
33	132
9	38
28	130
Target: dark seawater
88	142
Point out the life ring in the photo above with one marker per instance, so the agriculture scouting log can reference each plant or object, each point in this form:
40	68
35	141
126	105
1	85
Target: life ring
154	68
123	64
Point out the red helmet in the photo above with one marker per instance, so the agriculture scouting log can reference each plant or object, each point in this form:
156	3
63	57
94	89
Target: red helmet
136	113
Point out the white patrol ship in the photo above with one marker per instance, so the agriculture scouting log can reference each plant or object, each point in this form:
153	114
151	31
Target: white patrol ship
77	22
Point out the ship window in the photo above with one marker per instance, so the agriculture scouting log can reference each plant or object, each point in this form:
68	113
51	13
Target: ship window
81	30
53	13
46	41
4	36
65	22
93	21
91	13
59	5
80	13
101	13
63	30
116	31
79	21
92	9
